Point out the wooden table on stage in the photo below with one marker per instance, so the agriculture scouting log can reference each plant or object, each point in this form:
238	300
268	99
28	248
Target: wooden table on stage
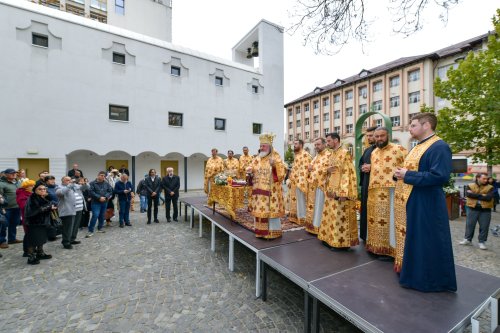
231	198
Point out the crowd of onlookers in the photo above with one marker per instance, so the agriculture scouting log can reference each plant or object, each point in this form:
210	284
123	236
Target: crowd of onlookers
46	209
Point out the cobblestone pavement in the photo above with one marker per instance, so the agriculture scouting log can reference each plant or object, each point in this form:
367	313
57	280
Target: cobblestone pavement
163	278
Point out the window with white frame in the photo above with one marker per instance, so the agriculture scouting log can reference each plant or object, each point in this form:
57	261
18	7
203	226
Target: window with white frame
326	116
326	102
442	71
120	7
336	114
377	105
348	95
377	86
414	97
363	92
348	112
336	98
316	134
394	81
315	105
363	108
306	121
379	122
414	75
297	109
394	101
326	130
395	121
290	112
290	125
365	124
306	107
298	123
336	129
306	136
316	119
299	136
290	137
349	128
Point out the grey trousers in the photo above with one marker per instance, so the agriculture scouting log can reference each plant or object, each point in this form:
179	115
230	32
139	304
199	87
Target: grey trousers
481	216
67	228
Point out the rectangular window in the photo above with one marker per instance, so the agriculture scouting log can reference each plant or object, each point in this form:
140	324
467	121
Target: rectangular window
298	122
99	4
349	128
336	114
377	105
256	128
255	89
39	40
316	134
219	124
326	116
306	107
348	95
289	112
175	71
315	105
336	98
119	58
326	130
290	125
395	121
365	124
175	119
377	86
442	72
316	119
414	75
414	97
298	136
120	7
378	123
363	109
297	109
348	112
306	136
306	121
394	81
117	112
326	101
290	138
363	92
219	81
336	129
394	101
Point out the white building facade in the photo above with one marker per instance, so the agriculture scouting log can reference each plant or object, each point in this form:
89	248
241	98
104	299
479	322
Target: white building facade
75	90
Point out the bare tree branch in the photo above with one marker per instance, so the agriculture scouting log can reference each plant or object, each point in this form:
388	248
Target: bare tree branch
327	25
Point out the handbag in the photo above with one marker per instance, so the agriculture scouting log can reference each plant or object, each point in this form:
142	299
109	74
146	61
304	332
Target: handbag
55	220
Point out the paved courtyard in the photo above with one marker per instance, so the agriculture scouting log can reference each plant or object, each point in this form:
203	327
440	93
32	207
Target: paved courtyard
164	278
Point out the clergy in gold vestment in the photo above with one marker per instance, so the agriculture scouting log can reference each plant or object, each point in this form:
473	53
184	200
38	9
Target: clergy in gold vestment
339	227
266	204
215	165
298	183
245	161
231	165
317	186
385	159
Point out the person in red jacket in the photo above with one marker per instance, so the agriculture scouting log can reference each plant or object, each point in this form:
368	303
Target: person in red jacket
22	195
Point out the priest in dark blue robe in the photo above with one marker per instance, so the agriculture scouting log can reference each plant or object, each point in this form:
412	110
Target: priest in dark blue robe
427	254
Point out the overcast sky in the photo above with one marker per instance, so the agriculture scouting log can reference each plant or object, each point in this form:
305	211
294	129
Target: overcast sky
214	27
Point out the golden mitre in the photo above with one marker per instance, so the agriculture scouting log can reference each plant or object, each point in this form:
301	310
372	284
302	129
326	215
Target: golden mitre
267	138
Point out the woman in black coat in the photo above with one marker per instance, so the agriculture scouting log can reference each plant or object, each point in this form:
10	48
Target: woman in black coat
37	218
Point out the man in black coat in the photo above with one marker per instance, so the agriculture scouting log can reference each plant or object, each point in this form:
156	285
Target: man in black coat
171	184
364	181
152	183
